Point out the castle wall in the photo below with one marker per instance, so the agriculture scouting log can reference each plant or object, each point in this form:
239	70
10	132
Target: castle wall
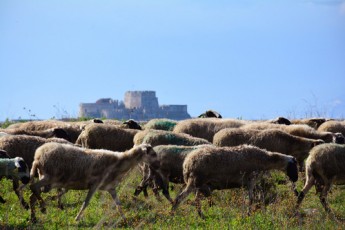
137	105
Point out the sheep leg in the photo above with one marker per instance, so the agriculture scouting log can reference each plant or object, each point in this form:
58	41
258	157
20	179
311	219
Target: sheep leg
323	198
61	192
117	203
188	189
143	186
89	195
310	181
165	186
36	193
198	204
19	195
251	184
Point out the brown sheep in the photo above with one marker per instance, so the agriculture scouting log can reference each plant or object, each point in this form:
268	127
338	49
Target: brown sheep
25	146
324	166
206	127
272	139
333	126
103	136
216	168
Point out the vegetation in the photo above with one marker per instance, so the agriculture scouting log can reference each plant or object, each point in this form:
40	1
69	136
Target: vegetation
229	210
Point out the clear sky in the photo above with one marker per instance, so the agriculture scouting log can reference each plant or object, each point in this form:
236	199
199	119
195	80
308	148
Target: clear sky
245	59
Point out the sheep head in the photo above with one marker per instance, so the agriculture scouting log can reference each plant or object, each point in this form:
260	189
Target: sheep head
292	170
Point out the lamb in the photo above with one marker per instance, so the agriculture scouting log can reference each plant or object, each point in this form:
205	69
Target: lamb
206	127
103	136
216	168
25	146
161	124
161	137
324	167
272	139
87	169
15	169
171	158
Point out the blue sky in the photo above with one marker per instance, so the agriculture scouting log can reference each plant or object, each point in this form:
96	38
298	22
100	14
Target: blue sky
245	59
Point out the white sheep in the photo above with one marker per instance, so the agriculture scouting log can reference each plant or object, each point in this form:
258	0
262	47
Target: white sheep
217	168
324	167
16	170
69	167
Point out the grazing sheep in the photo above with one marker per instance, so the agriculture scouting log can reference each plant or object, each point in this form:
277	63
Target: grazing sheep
86	169
312	122
298	130
171	158
14	169
25	146
333	126
103	136
216	168
272	139
210	113
48	133
161	124
162	137
206	127
73	129
324	166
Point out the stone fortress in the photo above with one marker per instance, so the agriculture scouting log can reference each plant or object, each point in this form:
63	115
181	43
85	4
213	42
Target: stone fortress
137	105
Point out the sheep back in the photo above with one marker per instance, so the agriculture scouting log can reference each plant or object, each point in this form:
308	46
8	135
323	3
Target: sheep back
162	137
102	136
328	161
206	127
161	124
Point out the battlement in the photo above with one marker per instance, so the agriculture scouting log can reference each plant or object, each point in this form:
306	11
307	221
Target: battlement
138	105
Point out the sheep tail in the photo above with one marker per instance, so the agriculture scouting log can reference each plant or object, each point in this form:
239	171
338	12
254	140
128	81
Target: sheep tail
33	171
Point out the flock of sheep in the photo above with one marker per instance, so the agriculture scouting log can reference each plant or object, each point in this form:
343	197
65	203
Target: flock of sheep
204	154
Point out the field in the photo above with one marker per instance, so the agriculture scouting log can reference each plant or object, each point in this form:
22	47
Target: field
229	210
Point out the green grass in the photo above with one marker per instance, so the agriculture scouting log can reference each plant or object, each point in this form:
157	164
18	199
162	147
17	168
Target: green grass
229	210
